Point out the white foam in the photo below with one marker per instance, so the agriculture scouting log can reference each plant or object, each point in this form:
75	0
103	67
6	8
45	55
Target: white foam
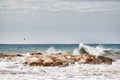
93	50
76	52
52	50
17	71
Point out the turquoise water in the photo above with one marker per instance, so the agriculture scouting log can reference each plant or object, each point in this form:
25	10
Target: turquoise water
29	48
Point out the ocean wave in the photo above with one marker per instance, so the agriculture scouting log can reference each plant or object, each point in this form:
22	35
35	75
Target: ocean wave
98	51
86	49
52	50
108	50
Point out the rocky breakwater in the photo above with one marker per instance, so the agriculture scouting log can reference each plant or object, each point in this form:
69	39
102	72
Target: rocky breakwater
10	57
40	59
64	59
2	55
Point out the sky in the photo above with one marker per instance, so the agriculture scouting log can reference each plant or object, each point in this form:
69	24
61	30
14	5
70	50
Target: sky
59	21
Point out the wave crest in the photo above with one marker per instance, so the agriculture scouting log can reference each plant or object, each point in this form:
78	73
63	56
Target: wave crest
52	50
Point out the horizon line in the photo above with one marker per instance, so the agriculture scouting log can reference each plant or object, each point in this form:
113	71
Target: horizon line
52	43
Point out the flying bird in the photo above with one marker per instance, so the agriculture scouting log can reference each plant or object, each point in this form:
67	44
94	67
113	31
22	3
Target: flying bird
24	39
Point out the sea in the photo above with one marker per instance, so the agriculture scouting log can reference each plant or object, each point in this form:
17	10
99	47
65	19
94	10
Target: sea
30	48
16	70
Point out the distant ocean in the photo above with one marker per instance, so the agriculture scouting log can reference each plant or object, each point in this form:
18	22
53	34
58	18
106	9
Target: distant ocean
30	48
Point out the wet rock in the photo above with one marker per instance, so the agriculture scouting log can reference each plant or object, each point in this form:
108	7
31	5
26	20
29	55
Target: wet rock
35	64
96	61
72	57
47	62
38	53
14	55
76	58
33	61
61	59
91	59
2	55
105	60
65	60
60	53
57	63
83	51
10	55
68	56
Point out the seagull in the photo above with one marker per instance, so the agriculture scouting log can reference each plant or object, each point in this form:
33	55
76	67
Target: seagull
24	39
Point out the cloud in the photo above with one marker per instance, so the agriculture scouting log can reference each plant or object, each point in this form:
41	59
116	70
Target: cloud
61	6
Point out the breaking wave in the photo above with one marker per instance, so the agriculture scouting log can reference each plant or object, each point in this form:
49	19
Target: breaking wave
98	51
52	50
86	49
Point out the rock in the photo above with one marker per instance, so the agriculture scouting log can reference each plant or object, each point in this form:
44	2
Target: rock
76	58
60	53
47	62
33	61
83	51
61	59
10	55
72	57
105	60
70	61
57	63
14	55
68	56
2	55
91	59
96	61
38	53
35	64
82	60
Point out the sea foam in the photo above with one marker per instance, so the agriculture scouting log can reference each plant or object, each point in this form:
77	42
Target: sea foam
17	71
52	50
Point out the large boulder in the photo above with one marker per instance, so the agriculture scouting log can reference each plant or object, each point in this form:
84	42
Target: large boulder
37	53
91	59
57	63
72	57
61	59
2	55
86	58
83	51
47	62
105	60
33	61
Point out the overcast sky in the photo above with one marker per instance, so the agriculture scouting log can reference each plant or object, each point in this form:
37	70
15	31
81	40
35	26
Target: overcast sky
59	21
